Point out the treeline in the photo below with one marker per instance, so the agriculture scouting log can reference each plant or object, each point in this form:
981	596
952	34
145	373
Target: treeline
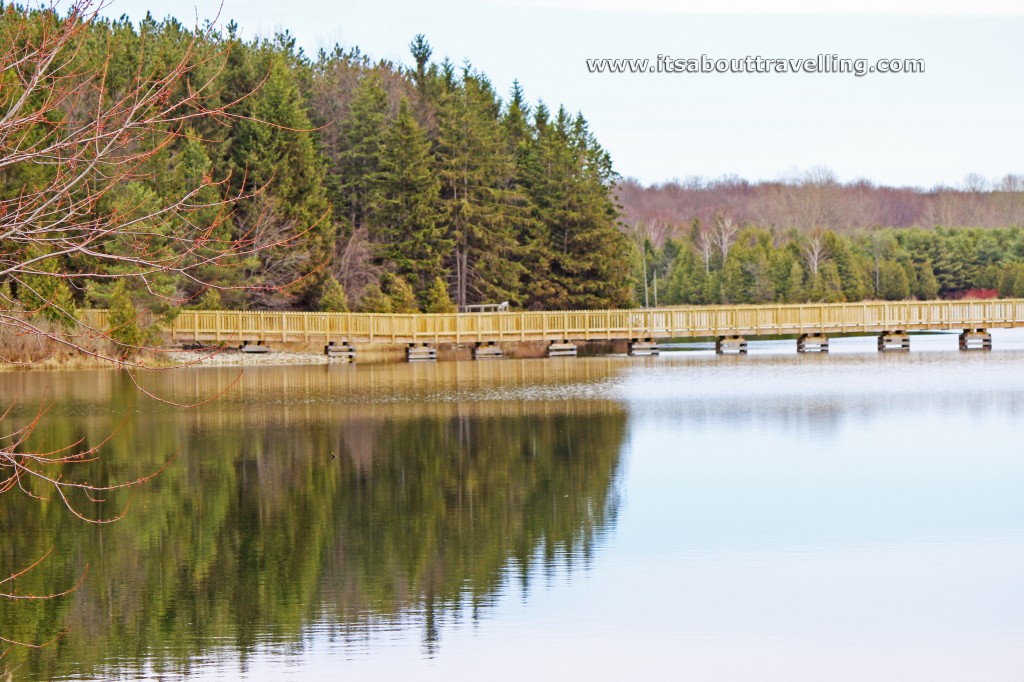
818	200
359	184
722	262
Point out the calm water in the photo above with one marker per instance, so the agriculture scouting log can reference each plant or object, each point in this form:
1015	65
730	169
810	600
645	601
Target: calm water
849	516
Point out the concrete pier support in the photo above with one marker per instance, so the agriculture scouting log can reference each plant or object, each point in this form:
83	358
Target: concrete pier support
896	340
561	349
487	351
731	344
258	347
343	352
812	343
420	353
975	339
643	347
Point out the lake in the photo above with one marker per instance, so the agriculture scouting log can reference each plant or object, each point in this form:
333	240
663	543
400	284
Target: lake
847	516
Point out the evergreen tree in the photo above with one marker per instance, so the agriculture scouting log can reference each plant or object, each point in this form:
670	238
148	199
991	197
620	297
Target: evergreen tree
47	294
399	293
405	223
826	286
894	285
581	259
332	300
374	301
927	285
480	214
122	321
289	221
686	284
359	162
210	300
1018	284
438	300
851	274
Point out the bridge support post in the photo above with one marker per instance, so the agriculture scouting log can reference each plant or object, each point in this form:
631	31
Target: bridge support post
561	348
646	346
896	340
487	351
342	352
731	344
420	353
811	343
975	339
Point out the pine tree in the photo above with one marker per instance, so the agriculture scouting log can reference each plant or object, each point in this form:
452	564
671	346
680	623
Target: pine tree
579	258
479	212
210	300
927	284
438	300
851	274
374	301
122	321
359	163
332	300
47	294
289	220
399	293
894	285
687	282
405	223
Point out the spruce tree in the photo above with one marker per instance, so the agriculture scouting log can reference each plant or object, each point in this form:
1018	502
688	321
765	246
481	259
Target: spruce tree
332	300
579	258
438	300
359	162
481	215
399	293
122	320
927	284
405	224
374	300
894	285
289	219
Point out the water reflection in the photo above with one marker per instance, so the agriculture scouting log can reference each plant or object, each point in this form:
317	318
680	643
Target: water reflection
304	500
774	516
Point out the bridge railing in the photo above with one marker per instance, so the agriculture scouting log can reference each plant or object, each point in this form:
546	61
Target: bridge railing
675	322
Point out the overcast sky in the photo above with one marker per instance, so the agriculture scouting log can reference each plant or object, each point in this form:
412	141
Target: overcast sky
965	114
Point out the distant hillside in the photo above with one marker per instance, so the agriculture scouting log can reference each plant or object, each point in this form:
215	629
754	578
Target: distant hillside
817	200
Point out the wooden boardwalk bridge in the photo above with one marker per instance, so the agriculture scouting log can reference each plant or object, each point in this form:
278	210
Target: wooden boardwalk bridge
730	325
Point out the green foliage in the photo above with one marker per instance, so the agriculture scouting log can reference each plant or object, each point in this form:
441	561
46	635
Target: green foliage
210	300
374	301
406	224
123	321
894	285
445	181
927	284
577	256
399	293
480	208
438	300
333	299
47	294
239	537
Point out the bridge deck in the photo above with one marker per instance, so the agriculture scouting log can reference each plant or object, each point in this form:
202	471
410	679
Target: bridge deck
586	325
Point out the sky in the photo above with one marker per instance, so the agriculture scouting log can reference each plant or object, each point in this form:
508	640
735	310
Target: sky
963	115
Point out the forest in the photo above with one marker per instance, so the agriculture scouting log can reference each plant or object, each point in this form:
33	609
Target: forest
263	178
812	238
352	183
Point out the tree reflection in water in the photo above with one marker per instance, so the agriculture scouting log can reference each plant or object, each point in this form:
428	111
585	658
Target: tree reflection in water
347	502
